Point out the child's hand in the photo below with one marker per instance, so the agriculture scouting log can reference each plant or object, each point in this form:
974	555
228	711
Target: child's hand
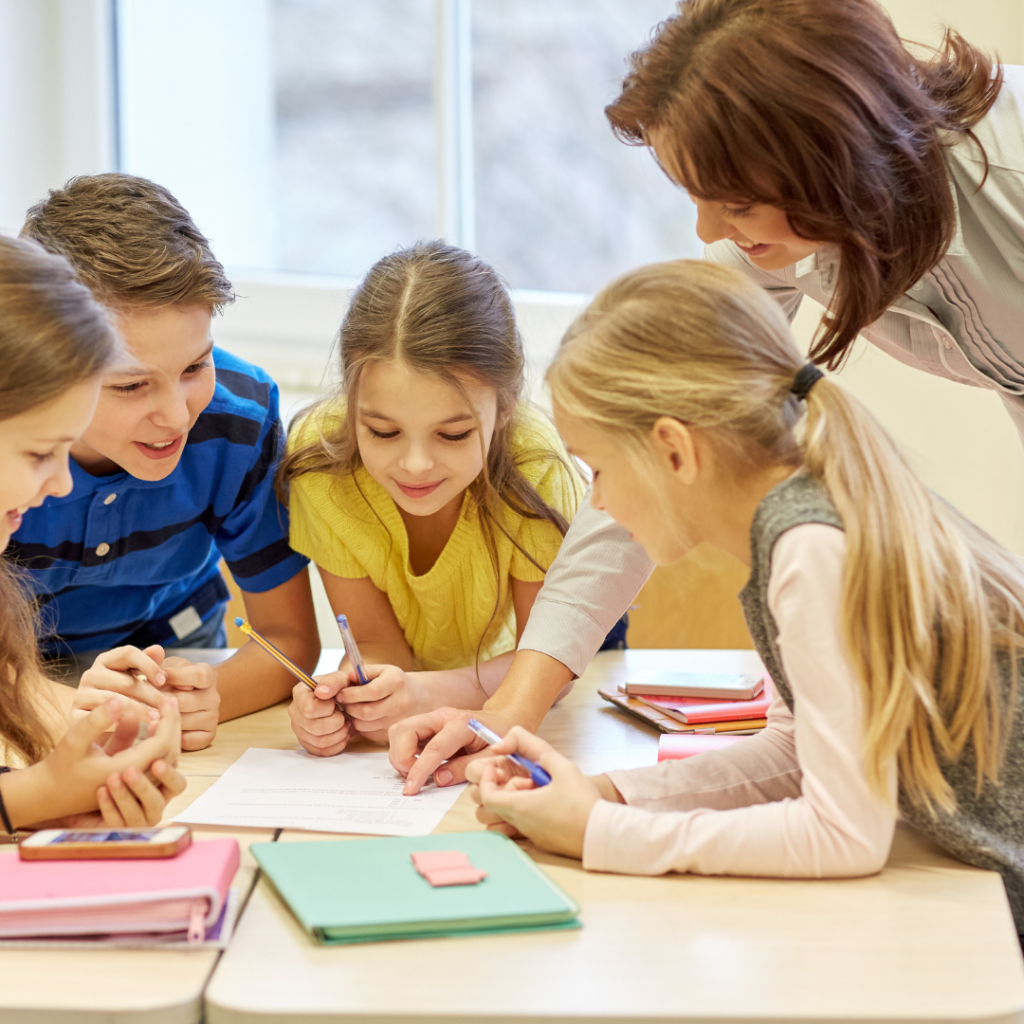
91	753
131	800
555	816
390	696
320	727
117	671
195	686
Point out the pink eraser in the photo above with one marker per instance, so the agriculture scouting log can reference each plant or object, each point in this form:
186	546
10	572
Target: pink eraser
446	867
429	860
455	876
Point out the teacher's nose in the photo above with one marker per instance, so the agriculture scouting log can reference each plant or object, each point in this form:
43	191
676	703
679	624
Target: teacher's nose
712	225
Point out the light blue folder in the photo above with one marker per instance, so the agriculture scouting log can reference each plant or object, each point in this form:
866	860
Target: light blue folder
365	890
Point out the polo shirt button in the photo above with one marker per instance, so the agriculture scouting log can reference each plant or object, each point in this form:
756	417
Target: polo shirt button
109	498
102	549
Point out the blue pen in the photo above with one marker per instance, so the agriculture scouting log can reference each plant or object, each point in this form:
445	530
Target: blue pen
352	650
539	776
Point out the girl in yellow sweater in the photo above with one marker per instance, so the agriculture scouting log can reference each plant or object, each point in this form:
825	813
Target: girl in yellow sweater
430	495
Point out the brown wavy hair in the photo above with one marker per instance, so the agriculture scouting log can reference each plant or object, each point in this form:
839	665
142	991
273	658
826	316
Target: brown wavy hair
818	108
53	335
445	313
131	242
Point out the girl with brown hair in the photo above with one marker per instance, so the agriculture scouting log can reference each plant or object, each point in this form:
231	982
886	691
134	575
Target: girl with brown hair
432	497
825	159
55	342
892	627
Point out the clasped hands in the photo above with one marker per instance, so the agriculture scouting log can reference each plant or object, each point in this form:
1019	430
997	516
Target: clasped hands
193	684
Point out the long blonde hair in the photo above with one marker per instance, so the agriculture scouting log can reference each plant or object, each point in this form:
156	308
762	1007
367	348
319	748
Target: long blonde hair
931	604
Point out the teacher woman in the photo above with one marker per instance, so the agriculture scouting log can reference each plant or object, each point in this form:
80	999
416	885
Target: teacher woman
825	159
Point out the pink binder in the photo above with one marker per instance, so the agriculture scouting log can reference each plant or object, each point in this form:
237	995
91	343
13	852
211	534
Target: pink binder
102	897
676	748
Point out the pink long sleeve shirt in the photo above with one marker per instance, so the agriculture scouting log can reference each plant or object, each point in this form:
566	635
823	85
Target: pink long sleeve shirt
793	801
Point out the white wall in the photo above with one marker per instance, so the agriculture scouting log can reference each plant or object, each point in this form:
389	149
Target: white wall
995	25
55	98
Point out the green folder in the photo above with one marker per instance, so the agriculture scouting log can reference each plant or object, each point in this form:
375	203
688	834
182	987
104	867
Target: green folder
366	890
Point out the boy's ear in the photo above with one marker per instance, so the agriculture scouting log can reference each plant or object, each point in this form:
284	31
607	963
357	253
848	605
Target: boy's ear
674	446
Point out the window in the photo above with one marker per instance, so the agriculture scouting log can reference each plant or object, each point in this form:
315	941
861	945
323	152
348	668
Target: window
560	203
315	135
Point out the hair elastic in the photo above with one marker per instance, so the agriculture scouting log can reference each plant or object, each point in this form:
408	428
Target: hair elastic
11	832
806	378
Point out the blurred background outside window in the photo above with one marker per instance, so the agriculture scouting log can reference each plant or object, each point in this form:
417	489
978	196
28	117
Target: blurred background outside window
313	136
309	137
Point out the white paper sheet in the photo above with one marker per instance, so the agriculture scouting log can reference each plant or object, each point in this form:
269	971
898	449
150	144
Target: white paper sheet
352	792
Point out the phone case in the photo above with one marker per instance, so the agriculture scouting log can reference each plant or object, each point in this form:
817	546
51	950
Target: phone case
105	851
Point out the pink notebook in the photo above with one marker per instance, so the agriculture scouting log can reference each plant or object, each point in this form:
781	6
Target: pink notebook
695	710
102	897
675	748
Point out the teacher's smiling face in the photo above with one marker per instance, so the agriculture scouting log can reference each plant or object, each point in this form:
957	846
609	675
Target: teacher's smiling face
762	233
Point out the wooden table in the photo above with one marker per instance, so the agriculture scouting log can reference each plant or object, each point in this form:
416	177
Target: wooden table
928	939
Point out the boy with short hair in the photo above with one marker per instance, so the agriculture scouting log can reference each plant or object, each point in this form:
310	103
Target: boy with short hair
175	470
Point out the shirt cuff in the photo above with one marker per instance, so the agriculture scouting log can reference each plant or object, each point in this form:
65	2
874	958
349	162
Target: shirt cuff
562	632
626	781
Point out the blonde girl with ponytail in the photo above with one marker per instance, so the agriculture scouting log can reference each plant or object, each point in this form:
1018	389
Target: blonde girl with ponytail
890	624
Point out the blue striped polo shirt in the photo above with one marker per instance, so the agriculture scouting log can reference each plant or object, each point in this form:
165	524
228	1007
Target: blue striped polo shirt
121	560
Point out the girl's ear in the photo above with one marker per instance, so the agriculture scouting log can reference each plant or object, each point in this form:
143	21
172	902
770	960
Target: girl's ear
673	445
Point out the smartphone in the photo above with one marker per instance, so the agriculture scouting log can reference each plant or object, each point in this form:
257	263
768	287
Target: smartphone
105	843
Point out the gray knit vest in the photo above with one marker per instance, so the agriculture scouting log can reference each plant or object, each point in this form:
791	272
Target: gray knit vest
985	830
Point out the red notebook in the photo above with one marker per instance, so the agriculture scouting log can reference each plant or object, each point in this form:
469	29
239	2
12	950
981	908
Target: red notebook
696	711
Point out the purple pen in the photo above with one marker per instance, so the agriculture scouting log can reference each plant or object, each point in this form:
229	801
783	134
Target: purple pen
352	650
539	776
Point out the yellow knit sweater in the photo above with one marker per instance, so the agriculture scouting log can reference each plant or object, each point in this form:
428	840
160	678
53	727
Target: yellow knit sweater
444	612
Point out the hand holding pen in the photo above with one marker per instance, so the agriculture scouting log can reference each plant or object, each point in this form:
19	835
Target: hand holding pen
320	724
538	775
552	813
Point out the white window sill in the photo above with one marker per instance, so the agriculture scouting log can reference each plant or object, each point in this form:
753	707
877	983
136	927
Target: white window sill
288	323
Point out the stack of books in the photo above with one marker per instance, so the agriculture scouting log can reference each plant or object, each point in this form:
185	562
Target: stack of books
700	703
